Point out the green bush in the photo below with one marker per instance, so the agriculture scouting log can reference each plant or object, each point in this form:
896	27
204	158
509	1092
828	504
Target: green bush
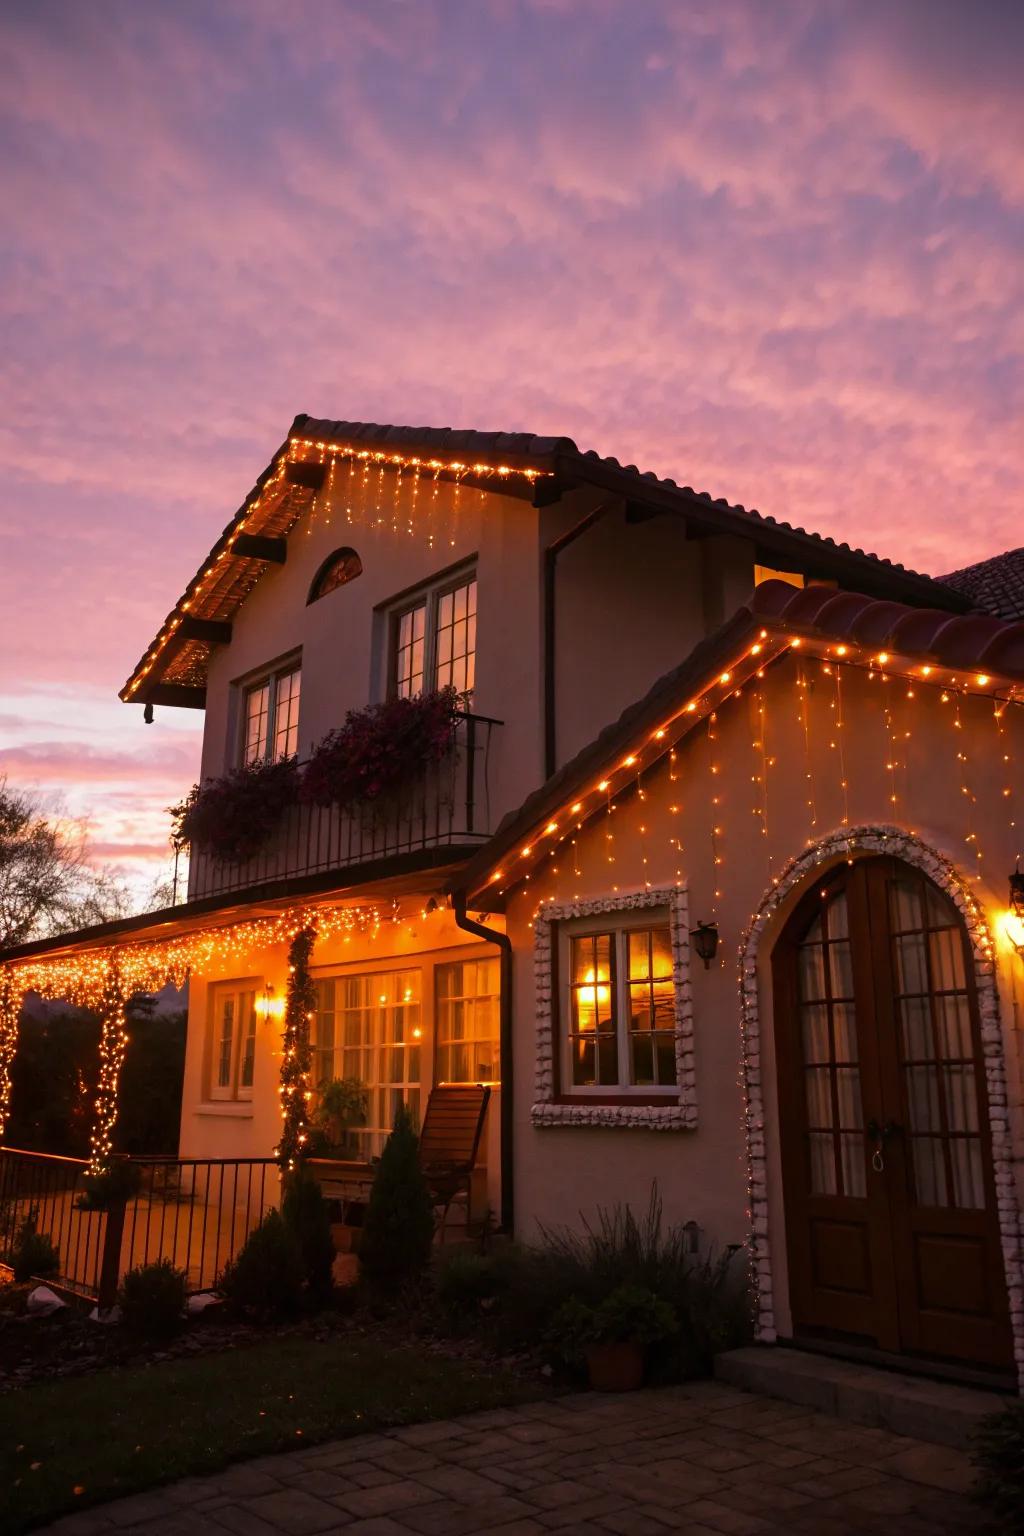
399	1227
32	1253
999	1458
266	1278
306	1215
631	1314
708	1296
152	1299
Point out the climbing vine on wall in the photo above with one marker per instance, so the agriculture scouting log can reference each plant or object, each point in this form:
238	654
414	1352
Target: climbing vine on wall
296	1051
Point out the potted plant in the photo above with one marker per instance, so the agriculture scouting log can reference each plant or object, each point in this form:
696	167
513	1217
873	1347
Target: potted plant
233	817
613	1337
381	750
341	1107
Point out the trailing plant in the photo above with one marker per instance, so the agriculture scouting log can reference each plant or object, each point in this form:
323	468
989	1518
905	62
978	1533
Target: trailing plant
234	816
399	1226
998	1455
32	1252
306	1214
341	1104
381	750
116	1184
152	1299
265	1279
296	1051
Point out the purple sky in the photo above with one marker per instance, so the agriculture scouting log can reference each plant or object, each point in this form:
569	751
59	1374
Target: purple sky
773	250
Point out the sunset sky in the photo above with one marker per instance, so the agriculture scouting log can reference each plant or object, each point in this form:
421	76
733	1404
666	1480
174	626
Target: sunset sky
772	249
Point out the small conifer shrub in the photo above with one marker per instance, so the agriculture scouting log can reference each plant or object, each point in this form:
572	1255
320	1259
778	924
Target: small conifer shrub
399	1227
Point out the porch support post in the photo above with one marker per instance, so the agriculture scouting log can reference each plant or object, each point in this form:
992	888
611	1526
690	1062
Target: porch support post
296	1052
113	1043
10	1012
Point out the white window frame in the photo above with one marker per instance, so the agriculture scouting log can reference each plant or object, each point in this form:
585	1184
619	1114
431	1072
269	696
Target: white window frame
556	1101
470	1041
234	1091
271	680
618	926
374	1047
429	597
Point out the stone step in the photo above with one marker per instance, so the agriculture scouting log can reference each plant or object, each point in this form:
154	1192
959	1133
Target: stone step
935	1411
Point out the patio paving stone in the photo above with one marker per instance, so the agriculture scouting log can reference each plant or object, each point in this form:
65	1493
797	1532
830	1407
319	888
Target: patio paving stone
705	1459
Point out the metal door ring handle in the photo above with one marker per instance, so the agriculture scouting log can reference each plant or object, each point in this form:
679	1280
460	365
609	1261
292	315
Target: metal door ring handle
878	1161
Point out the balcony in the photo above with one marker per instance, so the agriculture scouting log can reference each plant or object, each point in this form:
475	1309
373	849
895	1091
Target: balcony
449	808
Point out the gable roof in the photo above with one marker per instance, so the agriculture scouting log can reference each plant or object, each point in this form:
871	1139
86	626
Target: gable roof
173	669
995	586
973	652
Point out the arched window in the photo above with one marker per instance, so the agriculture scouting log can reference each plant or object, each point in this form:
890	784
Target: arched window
342	566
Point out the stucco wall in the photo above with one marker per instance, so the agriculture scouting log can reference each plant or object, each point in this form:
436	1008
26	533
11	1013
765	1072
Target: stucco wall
769	804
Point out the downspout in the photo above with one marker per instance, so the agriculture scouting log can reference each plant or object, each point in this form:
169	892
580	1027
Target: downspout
504	944
551	554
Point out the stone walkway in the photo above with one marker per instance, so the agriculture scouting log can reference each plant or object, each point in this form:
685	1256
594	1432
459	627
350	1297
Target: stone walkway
703	1458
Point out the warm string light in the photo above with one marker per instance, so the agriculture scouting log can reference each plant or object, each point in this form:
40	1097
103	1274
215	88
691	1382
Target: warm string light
296	1050
146	966
1008	795
760	711
890	733
113	1044
839	739
675	810
10	1013
803	687
715	830
971	836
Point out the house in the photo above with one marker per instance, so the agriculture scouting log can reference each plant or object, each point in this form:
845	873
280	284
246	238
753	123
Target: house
711	889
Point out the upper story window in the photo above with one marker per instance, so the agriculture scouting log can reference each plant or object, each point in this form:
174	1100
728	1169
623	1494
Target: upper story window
343	566
271	724
618	1003
433	639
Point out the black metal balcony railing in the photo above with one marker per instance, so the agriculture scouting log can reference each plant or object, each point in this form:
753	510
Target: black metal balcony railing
448	806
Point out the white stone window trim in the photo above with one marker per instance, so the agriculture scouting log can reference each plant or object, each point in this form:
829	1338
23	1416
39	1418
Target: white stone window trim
679	1112
895	841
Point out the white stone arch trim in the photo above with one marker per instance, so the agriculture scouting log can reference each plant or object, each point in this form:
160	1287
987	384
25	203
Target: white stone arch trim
680	1113
942	872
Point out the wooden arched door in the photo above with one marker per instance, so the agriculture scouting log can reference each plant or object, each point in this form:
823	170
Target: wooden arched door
891	1215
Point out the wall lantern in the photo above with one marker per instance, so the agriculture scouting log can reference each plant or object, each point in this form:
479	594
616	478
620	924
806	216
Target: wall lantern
705	942
268	1006
1013	922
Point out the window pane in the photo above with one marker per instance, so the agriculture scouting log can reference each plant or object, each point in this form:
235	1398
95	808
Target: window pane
247	1005
467	1015
812	972
257	706
455	638
946	951
286	714
225	1042
905	906
823	1163
911	968
818	1085
372	1033
409	652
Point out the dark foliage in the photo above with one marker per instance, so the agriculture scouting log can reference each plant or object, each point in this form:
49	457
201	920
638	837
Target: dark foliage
998	1455
307	1216
116	1185
265	1280
381	750
234	816
149	1101
296	1051
32	1253
399	1227
152	1299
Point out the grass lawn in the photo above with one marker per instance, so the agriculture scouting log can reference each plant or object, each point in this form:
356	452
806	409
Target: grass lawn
78	1441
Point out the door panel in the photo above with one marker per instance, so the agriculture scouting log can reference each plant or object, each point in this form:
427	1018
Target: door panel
889	1187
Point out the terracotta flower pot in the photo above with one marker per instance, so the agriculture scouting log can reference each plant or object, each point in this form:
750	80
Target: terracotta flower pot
616	1367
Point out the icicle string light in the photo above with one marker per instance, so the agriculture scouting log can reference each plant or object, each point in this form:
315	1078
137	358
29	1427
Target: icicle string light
81	977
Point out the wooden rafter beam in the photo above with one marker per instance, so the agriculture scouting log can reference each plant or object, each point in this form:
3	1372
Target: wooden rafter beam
258	546
173	695
214	631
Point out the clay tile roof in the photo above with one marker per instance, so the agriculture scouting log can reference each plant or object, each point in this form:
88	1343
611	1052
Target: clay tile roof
963	645
177	659
995	586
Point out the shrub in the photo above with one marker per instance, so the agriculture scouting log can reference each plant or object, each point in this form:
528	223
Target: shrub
631	1314
265	1279
32	1253
306	1215
399	1227
467	1282
234	816
381	750
998	1454
152	1299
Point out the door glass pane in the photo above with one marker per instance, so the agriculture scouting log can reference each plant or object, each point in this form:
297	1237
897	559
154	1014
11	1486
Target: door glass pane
961	1099
923	1098
968	1179
841	969
812	972
851	1151
818	1084
815	1030
225	1042
929	1170
946	950
839	917
905	904
911	966
916	1028
953	1021
844	1031
848	1095
823	1163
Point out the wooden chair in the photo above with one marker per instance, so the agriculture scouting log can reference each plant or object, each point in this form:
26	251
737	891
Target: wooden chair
449	1142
